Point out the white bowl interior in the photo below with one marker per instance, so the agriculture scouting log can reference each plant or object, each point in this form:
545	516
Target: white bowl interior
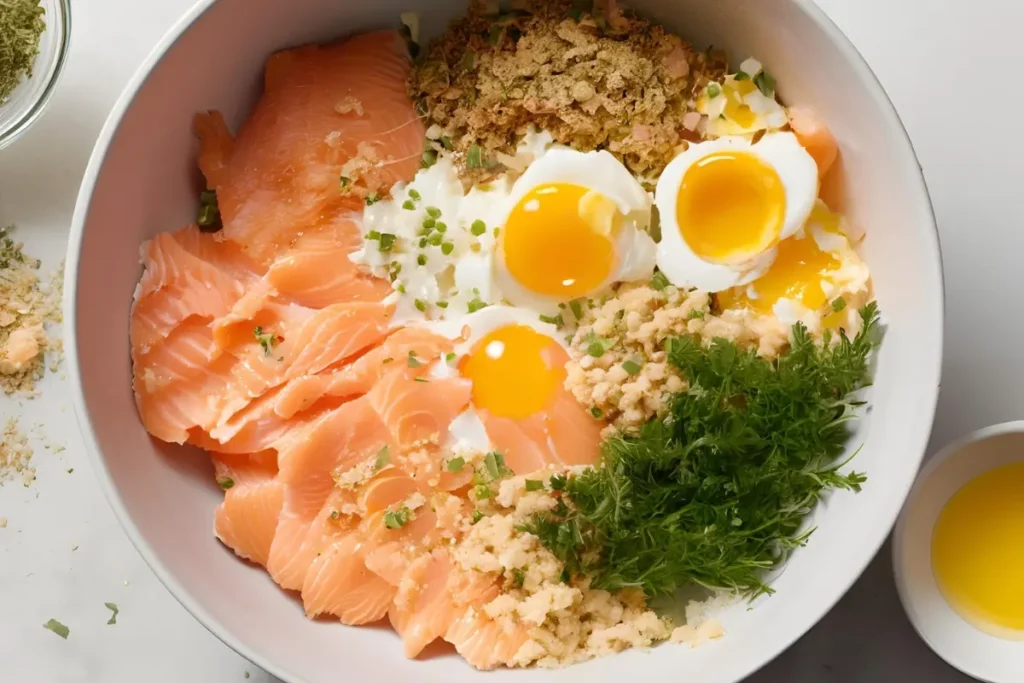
143	180
974	652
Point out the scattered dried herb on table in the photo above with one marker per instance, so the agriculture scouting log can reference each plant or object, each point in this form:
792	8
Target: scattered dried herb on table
21	26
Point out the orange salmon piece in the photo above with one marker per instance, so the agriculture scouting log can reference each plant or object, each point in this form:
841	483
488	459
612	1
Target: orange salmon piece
815	137
247	519
416	411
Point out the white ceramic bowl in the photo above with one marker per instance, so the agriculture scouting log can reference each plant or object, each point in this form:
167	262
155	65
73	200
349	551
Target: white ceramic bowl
142	179
969	649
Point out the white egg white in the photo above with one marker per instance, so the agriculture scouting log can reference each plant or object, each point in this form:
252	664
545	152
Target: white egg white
600	172
799	175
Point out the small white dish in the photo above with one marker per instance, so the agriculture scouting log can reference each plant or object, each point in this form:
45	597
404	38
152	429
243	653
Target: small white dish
964	646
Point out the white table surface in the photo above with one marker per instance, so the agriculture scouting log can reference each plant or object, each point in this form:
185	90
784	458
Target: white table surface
951	69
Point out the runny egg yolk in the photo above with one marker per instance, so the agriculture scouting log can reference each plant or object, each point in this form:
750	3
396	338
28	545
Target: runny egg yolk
730	207
978	552
557	240
512	372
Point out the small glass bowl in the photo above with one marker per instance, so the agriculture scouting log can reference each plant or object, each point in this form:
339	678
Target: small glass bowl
29	99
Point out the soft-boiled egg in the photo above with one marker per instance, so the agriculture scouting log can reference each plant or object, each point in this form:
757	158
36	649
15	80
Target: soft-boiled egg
574	223
726	204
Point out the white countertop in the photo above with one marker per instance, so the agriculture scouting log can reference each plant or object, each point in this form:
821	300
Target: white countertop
950	68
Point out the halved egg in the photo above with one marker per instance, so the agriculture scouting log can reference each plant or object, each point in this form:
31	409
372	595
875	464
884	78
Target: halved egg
575	222
516	365
725	204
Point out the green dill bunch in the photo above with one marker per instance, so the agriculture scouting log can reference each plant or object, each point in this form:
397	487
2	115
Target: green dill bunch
716	493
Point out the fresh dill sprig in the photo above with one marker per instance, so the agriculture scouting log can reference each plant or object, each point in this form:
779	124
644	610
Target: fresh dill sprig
716	493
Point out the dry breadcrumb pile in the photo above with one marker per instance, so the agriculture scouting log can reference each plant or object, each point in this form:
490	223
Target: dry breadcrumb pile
594	80
27	307
15	454
618	363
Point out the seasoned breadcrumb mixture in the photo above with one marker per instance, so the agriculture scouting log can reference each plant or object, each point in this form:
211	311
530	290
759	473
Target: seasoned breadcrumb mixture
600	80
567	622
15	454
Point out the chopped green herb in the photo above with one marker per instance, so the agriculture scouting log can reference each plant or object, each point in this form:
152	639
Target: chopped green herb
421	259
387	360
596	412
555	320
413	361
474	157
208	219
695	314
449	357
741	76
383	458
441	304
482	491
534	485
435	239
225	482
631	366
765	83
266	339
478	227
518	578
335	515
558	482
659	513
113	613
394	268
475	305
58	628
373	236
423	244
576	306
456	464
421	380
409	205
839	304
400	289
494	37
441	227
713	90
372	198
433	212
447	248
477	516
413	194
420	305
428	159
596	346
396	519
659	281
494	466
428	224
387	241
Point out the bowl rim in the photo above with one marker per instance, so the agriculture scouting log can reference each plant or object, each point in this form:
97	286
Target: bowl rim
32	114
954	449
777	640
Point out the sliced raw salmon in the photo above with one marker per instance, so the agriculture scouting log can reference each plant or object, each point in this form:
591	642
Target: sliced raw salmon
247	519
483	641
339	583
423	610
188	350
323	107
815	137
216	144
418	409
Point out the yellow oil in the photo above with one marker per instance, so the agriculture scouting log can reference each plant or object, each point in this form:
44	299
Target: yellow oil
978	552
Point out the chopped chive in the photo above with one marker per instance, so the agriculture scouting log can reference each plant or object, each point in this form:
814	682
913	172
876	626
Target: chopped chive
576	305
477	516
596	346
552	319
765	83
225	482
482	491
387	360
741	76
494	466
558	482
695	314
435	239
474	157
423	244
409	205
449	357
596	412
208	219
335	515
401	288
455	464
420	305
396	519
447	248
497	231
446	141
714	90
421	259
113	613
441	227
387	240
394	268
413	361
421	380
429	223
383	458
534	485
475	305
345	183
413	194
372	198
58	628
659	281
441	304
478	228
518	577
631	367
373	235
839	304
433	212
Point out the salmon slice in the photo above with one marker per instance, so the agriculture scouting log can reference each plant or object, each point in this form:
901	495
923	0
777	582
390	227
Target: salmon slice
394	550
574	434
339	583
247	519
359	376
297	542
283	175
315	270
418	411
216	144
484	642
423	611
524	443
815	137
188	350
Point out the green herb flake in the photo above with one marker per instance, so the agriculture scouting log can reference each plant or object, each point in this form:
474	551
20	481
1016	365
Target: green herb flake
631	366
558	482
477	516
345	183
839	304
413	361
518	578
713	90
441	227
446	143
441	304
596	412
456	464
383	458
113	613
478	227
765	83
695	314
576	306
659	282
372	198
474	157
414	195
482	491
428	159
421	380
555	320
596	346
225	482
475	305
266	339
420	305
428	224
447	248
449	357
741	76
534	485
396	519
58	628
409	205
433	212
373	236
494	466
387	241
435	239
